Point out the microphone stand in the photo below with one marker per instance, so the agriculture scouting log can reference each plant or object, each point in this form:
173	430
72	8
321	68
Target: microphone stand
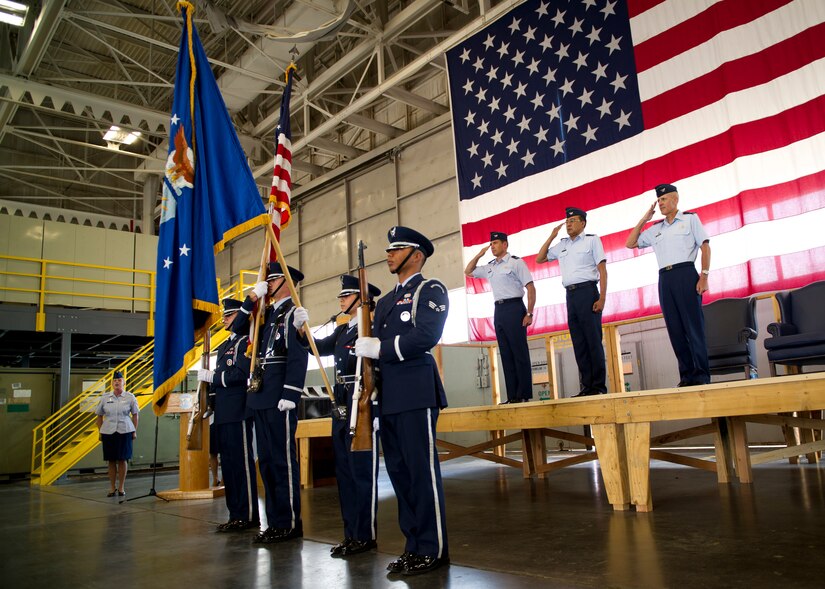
152	492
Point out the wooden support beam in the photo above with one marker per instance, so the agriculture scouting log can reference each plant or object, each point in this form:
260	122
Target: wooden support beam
496	388
781	453
683	434
457	451
683	460
570	437
811	423
637	445
724	455
806	436
565	462
534	452
305	462
483	455
552	370
610	446
613	355
741	455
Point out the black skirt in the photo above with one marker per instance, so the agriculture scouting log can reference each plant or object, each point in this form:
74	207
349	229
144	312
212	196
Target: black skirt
117	446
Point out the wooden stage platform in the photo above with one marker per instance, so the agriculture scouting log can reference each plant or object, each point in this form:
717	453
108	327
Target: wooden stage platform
620	424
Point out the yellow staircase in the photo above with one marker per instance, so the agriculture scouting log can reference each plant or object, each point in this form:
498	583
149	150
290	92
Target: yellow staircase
68	435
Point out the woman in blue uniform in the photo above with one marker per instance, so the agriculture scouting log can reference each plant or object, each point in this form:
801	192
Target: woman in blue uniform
117	420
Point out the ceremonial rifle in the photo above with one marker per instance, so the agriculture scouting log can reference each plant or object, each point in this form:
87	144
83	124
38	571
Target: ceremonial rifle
360	422
194	433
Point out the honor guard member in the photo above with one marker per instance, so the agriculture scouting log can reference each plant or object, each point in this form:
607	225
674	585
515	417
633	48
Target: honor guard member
232	426
509	277
356	472
676	240
584	275
284	363
408	322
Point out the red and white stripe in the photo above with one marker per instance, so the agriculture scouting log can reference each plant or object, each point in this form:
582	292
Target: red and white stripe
281	191
733	99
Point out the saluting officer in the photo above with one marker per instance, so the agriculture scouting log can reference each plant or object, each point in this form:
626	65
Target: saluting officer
584	275
356	472
284	363
509	278
676	240
408	322
232	426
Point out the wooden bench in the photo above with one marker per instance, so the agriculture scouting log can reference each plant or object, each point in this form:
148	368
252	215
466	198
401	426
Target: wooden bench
620	424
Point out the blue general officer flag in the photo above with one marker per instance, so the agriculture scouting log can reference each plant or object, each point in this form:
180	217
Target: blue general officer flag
209	197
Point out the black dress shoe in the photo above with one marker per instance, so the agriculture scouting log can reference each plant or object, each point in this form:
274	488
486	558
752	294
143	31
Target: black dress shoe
585	394
286	534
358	546
263	537
399	565
338	549
236	525
111	493
419	565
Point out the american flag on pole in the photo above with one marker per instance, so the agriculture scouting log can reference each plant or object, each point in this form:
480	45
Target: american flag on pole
591	103
282	174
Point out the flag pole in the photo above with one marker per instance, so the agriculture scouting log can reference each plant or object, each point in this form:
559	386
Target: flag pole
259	313
294	294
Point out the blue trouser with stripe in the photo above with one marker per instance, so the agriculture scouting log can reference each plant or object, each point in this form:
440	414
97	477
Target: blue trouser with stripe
238	466
357	476
411	458
682	310
278	463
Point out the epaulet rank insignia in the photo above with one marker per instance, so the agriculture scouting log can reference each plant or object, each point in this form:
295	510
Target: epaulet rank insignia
689	212
516	257
590	235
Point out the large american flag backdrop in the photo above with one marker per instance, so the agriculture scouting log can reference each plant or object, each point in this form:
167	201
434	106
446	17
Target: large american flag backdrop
591	103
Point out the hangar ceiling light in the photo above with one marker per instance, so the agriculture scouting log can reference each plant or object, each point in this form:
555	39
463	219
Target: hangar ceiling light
13	13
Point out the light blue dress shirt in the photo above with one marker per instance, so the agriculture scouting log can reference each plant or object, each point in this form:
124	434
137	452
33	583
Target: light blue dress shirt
578	258
677	242
116	412
508	276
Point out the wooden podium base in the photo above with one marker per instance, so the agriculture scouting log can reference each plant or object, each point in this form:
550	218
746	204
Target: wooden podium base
194	464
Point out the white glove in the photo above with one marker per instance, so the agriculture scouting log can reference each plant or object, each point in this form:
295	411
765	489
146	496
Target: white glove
260	289
205	375
375	424
299	317
368	347
285	405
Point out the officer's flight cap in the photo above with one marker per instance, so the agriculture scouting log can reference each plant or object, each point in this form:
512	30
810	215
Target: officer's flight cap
349	285
401	237
230	305
276	272
663	189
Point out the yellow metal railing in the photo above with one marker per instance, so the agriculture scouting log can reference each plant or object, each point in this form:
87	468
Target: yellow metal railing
69	434
48	276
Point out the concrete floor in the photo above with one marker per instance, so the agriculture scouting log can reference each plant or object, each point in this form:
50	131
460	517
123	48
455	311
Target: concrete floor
505	532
